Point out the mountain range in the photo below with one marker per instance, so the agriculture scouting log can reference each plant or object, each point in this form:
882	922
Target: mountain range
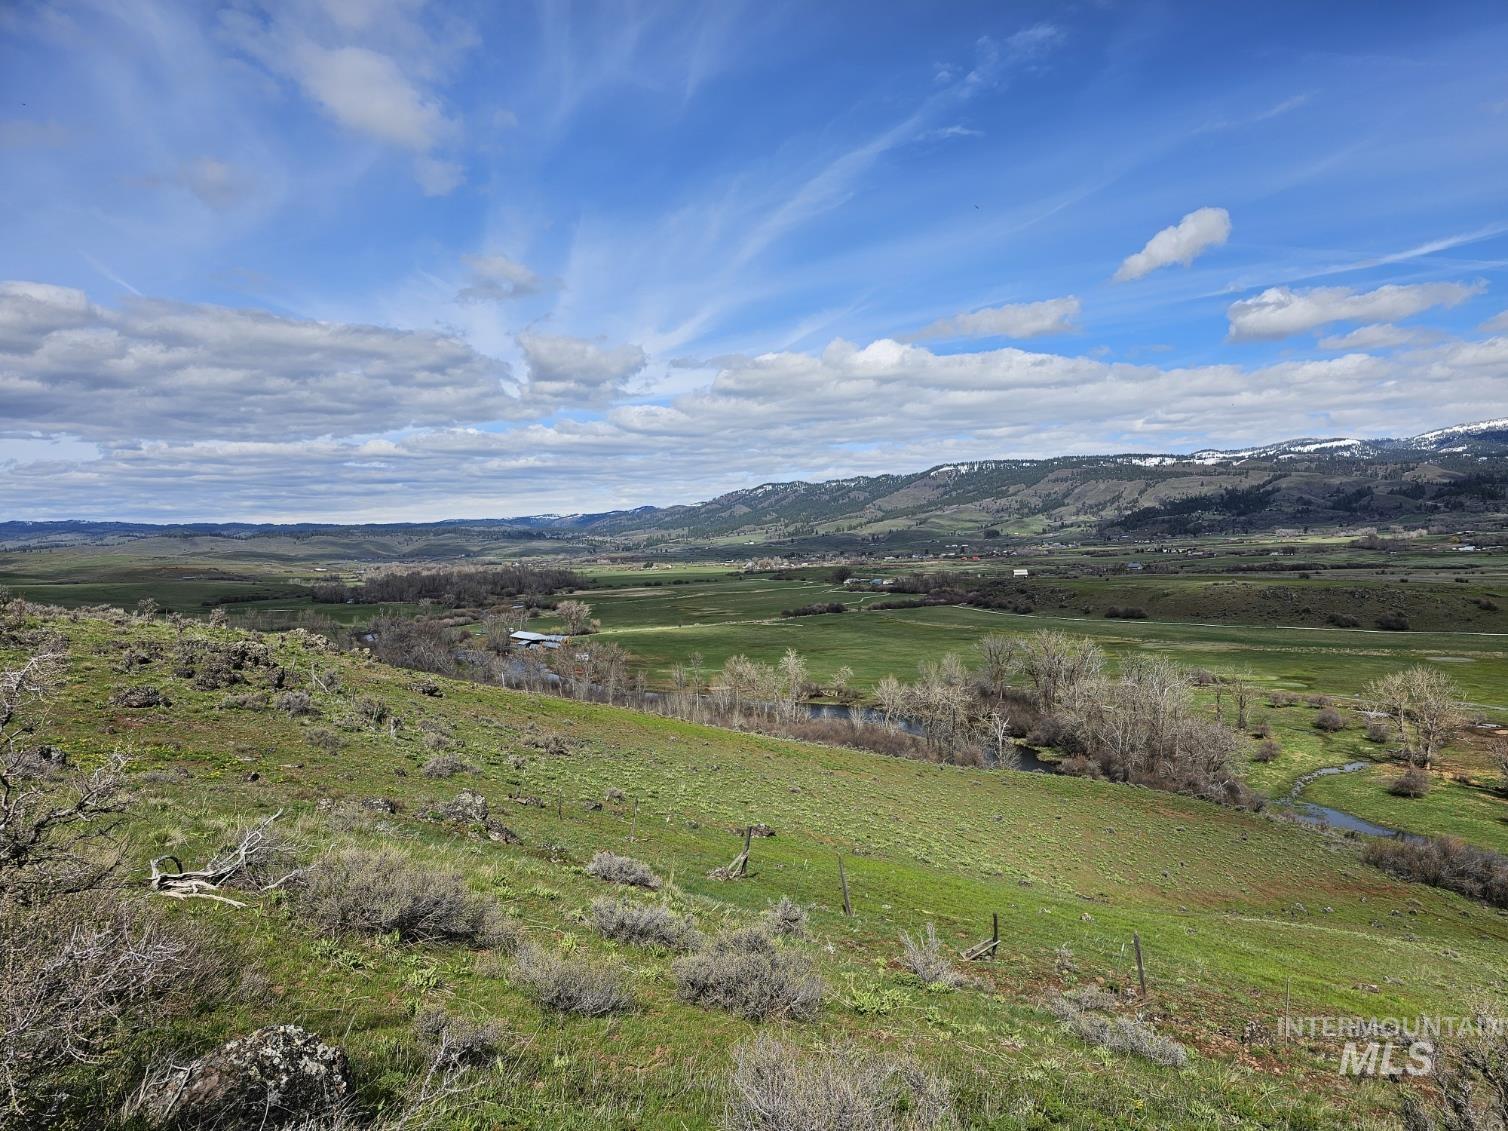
1456	476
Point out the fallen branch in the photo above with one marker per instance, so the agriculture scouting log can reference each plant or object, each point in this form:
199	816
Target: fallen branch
255	845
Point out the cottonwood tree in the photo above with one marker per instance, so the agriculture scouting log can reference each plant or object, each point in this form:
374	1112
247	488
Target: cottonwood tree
997	655
890	695
577	616
1426	708
1055	664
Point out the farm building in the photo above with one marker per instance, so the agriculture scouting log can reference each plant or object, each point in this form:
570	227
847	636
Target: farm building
522	639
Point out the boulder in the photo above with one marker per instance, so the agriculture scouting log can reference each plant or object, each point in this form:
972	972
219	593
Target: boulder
469	806
278	1077
141	697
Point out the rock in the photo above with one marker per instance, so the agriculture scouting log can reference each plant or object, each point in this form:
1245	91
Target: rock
278	1077
141	697
591	805
469	806
761	829
500	832
433	690
381	805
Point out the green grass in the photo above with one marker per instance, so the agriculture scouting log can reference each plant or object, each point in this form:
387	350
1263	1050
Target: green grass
720	619
1451	808
1235	910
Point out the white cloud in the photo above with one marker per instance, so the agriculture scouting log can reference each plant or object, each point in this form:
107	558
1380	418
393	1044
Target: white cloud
368	92
370	67
1013	320
164	370
1182	243
1497	324
496	278
204	412
1378	335
1033	42
1279	312
577	371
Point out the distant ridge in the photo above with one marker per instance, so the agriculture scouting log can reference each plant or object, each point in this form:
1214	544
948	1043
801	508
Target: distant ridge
1309	481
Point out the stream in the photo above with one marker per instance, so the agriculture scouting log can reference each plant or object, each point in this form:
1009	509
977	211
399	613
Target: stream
1312	813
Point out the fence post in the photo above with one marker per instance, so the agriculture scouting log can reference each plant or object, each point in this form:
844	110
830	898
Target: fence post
843	880
1141	970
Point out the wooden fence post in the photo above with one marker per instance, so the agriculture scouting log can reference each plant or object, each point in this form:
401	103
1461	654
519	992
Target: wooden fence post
843	880
1141	970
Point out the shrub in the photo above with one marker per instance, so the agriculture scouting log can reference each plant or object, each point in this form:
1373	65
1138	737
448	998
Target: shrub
746	974
1119	1034
1393	622
1376	732
76	973
570	985
455	1043
1444	862
1343	620
816	610
616	869
1413	782
925	958
1329	720
359	891
295	703
446	765
1267	751
776	1087
644	924
787	917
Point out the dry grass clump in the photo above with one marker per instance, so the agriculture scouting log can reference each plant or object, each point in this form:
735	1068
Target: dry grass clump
365	892
924	957
746	974
1081	1015
446	765
615	869
644	924
776	1087
570	985
786	917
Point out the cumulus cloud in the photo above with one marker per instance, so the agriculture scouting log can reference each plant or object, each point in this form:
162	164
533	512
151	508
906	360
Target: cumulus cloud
1279	312
202	412
1497	324
163	370
496	278
1182	242
1013	320
575	370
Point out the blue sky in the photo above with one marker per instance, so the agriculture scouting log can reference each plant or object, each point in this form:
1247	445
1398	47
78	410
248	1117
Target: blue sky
386	259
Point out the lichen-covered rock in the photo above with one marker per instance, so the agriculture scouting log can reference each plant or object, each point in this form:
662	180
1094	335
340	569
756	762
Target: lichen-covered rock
277	1077
501	833
469	806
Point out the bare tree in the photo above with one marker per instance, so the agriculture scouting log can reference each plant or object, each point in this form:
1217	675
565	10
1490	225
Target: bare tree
1055	664
997	653
577	616
1426	708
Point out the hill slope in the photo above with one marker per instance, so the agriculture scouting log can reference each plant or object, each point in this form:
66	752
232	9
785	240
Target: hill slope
1231	907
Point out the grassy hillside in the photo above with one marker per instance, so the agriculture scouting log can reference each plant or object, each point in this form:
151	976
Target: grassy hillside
1236	911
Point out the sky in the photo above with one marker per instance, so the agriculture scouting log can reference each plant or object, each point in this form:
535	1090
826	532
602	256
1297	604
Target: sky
388	260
